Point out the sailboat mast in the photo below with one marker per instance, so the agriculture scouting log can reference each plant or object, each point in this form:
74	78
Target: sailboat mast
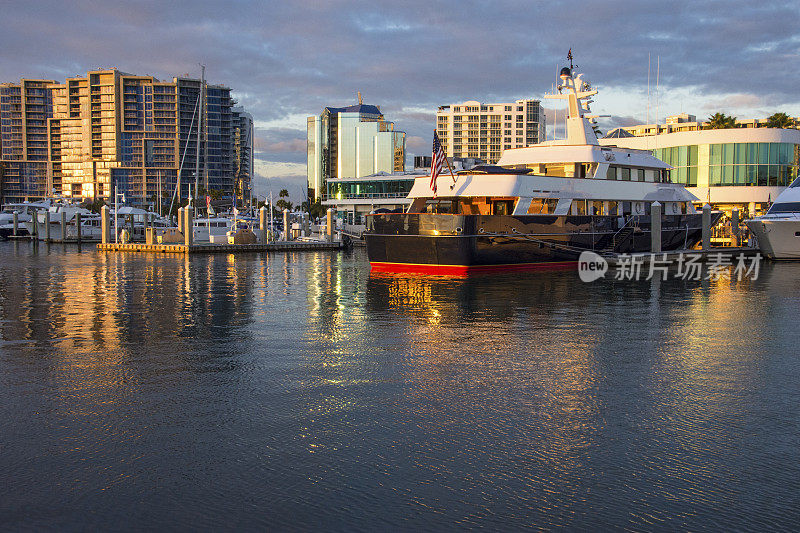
199	129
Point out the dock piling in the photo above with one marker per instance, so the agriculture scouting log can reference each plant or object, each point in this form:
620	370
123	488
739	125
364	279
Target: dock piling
180	219
706	227
329	225
735	227
287	231
188	234
78	227
63	227
47	226
16	223
105	225
655	228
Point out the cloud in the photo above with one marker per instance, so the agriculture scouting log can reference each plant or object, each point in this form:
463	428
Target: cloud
293	145
284	67
417	144
735	101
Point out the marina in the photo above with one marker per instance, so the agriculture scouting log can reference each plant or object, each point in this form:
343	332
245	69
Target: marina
393	267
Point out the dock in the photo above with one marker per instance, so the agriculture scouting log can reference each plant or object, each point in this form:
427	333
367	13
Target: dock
293	246
703	256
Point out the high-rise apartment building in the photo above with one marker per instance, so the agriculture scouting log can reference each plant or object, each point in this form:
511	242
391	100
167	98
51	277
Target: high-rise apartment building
351	142
24	110
110	131
483	131
243	156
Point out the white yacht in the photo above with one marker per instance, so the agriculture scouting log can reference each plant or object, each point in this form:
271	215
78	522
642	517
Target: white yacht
778	231
540	206
24	211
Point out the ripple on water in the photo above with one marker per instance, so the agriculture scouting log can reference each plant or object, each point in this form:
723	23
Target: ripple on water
297	391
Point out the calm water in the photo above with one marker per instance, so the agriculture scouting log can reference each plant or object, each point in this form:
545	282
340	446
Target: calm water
298	392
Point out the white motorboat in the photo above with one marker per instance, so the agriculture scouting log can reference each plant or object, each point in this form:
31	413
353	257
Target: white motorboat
778	231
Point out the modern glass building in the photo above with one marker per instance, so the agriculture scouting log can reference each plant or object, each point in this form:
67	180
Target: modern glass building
741	167
351	142
352	198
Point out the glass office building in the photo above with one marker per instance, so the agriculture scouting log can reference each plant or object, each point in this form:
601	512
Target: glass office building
351	142
741	167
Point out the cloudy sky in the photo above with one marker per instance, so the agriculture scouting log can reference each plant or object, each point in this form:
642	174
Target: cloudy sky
285	60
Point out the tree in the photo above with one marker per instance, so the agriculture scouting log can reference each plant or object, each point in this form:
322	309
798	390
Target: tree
316	210
720	121
282	203
780	120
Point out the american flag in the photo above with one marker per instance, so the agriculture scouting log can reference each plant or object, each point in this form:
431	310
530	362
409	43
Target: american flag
437	161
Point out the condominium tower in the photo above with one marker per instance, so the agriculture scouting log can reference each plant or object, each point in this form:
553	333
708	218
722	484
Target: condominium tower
483	131
351	142
110	130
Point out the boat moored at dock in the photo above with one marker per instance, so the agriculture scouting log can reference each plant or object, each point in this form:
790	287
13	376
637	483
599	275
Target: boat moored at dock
778	231
539	207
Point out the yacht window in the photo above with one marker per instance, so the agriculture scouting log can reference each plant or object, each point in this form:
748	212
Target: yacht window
612	208
626	208
579	207
597	208
639	174
626	174
542	206
611	173
785	207
502	207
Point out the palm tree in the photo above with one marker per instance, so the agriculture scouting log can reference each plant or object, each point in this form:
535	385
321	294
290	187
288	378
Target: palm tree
720	121
780	120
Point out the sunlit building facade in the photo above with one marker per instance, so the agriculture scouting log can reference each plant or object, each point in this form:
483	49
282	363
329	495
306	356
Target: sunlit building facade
110	130
351	142
242	126
746	168
483	131
25	108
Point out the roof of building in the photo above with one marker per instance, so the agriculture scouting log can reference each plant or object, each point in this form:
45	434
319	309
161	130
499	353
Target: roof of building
358	108
618	133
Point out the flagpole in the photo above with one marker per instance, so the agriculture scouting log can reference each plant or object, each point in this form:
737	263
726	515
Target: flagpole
446	160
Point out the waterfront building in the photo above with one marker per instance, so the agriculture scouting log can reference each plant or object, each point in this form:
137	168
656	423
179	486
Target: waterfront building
243	156
25	108
473	129
353	198
113	131
745	167
351	142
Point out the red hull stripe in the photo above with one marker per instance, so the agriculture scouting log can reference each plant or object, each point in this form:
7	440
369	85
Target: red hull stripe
455	270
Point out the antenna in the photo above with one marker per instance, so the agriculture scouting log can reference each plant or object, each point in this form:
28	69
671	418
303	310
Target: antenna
658	72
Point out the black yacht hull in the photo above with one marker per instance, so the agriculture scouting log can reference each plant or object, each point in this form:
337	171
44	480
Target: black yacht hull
453	244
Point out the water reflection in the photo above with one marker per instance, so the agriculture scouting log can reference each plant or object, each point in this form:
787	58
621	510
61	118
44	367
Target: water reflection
299	391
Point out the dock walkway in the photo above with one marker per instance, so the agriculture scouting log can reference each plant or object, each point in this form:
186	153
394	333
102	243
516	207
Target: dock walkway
219	248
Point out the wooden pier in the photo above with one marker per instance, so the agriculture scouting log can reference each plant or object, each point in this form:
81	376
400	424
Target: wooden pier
289	246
